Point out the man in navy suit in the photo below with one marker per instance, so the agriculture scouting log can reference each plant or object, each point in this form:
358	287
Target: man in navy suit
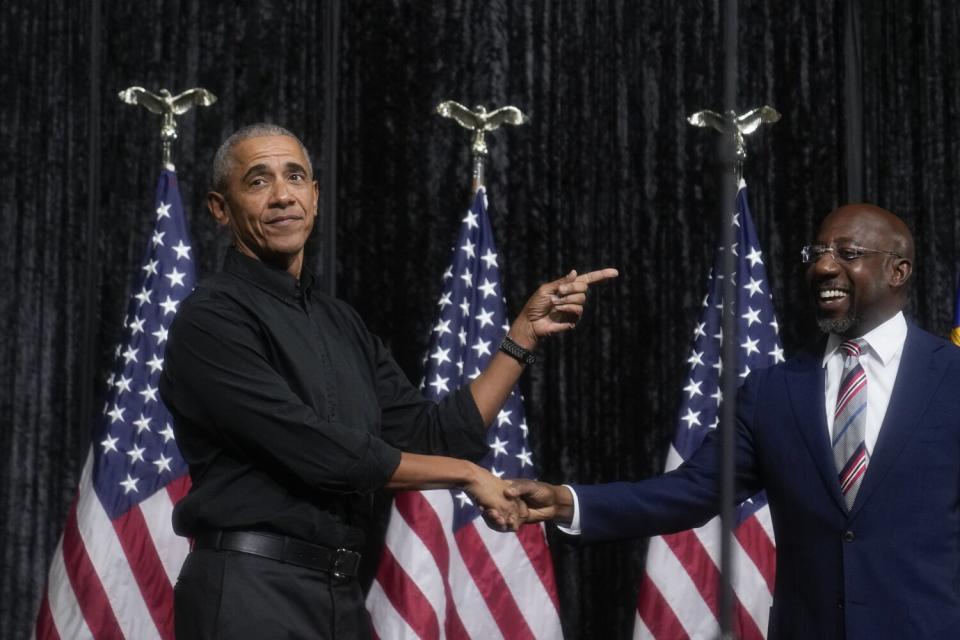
856	442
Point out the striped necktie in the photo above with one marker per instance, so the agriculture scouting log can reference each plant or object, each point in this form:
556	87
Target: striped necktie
849	422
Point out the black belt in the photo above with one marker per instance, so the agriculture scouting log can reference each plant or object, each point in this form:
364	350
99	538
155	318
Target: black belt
341	563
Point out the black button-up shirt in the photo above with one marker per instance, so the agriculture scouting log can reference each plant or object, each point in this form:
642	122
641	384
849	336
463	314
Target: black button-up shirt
289	412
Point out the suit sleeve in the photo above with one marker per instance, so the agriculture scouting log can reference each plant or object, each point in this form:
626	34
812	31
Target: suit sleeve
684	498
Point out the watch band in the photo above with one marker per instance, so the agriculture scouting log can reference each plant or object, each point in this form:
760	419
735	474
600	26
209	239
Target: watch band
515	351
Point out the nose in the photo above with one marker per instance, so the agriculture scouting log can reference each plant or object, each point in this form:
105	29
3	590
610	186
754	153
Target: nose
281	195
826	264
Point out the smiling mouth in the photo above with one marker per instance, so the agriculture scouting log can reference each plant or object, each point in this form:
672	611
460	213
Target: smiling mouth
281	220
831	296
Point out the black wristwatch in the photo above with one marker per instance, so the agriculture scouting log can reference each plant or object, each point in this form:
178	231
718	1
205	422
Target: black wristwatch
515	351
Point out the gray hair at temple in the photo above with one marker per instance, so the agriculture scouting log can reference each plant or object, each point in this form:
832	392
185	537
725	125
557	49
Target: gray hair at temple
223	159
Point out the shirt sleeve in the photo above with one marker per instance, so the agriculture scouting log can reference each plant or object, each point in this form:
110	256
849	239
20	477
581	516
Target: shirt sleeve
452	427
218	380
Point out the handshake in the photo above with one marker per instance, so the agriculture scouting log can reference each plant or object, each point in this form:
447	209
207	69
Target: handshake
507	504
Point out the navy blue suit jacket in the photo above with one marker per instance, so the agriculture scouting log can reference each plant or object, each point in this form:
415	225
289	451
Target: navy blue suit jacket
890	568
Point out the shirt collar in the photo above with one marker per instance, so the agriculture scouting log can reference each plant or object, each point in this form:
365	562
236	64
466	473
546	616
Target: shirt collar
274	281
884	340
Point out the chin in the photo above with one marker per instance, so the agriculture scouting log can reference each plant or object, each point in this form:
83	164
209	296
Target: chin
839	325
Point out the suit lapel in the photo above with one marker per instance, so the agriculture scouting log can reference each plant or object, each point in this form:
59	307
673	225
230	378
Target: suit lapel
919	376
805	388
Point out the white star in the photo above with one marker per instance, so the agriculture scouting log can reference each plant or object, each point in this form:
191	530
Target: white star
752	315
692	418
110	444
485	318
499	446
776	327
155	364
464	499
696	359
777	354
183	250
143	424
488	288
465	307
116	413
467	277
495	472
163	211
136	454
468	249
693	388
123	384
745	372
130	355
445	299
715	423
717	395
167	433
736	219
163	463
460	366
169	305
176	278
442	327
754	257
482	347
718	365
151	267
448	273
524	457
750	346
144	295
490	258
440	355
440	384
137	325
158	238
475	374
504	418
149	394
160	334
699	331
471	220
463	336
754	286
524	427
130	484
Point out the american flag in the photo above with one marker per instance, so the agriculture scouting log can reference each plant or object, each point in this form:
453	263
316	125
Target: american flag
679	591
113	571
443	573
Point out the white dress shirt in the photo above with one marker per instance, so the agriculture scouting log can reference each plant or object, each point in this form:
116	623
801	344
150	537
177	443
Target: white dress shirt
880	359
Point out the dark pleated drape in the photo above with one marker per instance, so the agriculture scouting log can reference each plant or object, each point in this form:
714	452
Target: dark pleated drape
607	172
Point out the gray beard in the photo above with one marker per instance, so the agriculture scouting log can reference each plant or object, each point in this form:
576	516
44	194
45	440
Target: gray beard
839	326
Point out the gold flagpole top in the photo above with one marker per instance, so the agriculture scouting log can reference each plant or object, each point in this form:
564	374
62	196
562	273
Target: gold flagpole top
168	105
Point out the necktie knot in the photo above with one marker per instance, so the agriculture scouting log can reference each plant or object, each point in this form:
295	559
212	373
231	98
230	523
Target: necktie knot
853	348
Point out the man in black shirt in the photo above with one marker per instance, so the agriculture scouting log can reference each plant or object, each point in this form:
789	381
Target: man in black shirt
290	414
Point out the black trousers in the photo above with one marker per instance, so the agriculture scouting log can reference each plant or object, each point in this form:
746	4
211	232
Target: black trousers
225	594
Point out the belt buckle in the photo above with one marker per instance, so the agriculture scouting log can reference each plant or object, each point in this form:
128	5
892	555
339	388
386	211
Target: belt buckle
339	562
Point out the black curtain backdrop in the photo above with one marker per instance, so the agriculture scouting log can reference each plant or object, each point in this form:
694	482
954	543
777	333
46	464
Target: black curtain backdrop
607	172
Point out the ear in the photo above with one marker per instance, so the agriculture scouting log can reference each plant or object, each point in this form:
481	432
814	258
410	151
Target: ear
901	272
316	198
217	205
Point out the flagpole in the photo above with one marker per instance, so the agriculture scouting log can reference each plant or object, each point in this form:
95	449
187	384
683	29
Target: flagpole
730	167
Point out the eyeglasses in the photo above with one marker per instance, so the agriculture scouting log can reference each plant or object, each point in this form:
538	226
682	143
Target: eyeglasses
813	252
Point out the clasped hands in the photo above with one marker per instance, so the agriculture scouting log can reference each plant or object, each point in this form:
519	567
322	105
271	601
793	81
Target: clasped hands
508	504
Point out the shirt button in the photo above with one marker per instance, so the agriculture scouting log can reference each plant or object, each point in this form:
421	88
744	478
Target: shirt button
848	536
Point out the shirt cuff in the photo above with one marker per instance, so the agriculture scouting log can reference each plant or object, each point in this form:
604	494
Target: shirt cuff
573	528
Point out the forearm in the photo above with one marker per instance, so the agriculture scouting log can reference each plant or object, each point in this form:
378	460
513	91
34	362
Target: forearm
491	388
417	471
